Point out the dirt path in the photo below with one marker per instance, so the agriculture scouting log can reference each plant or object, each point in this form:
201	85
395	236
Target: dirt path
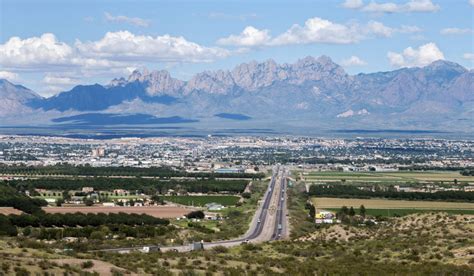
101	267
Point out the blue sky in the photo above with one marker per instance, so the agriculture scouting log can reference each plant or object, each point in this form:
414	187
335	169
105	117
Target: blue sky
50	46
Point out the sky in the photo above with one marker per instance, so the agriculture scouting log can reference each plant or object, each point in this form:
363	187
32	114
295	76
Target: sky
51	46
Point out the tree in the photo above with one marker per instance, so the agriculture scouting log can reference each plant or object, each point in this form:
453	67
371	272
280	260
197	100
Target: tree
97	235
344	210
195	214
88	202
6	227
352	212
59	202
362	210
312	211
66	195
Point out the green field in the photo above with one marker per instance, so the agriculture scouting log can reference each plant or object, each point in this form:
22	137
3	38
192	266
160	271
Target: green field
202	200
390	177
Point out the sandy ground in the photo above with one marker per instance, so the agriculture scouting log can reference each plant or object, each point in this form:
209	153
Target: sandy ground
103	268
155	211
9	211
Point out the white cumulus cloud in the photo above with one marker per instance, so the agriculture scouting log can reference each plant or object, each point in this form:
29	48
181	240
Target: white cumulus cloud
353	61
10	76
456	31
60	80
469	56
318	30
124	45
250	36
315	30
421	56
353	4
43	50
136	21
393	7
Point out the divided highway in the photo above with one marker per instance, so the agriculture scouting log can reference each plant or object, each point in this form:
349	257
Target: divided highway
268	223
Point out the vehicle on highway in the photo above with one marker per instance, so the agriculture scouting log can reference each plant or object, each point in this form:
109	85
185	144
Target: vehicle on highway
258	221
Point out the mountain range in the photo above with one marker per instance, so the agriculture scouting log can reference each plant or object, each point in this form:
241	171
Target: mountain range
310	93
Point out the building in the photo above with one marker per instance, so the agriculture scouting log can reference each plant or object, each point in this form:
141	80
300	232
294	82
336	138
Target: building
98	152
214	206
87	189
229	170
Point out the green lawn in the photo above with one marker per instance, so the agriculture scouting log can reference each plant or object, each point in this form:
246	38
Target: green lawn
202	200
125	197
48	196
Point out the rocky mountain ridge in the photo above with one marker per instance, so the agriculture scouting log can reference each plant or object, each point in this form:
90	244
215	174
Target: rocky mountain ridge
311	90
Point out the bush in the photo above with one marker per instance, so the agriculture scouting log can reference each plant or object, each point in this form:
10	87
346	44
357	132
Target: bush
87	264
220	249
195	214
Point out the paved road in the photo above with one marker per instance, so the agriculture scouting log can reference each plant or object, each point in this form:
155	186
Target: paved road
280	229
268	223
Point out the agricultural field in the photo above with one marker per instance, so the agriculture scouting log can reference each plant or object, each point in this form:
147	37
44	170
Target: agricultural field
387	207
9	211
202	200
154	211
390	177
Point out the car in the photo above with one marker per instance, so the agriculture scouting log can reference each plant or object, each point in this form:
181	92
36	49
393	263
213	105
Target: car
258	221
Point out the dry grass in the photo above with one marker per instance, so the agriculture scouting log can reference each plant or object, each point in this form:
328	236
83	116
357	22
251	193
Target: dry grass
326	202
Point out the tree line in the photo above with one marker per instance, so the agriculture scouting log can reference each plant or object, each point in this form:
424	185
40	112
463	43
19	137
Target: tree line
161	172
143	185
9	197
353	191
468	172
82	219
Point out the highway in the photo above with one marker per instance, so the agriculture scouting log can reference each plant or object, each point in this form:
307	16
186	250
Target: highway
268	223
280	229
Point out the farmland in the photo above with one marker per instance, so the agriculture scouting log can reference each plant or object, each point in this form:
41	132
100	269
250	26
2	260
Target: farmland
389	177
9	211
155	211
388	207
325	202
202	200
